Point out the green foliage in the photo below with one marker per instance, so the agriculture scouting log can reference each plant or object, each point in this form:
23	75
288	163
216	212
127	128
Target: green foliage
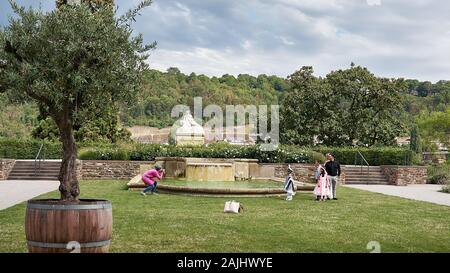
46	130
87	153
62	59
375	156
417	159
100	125
301	107
148	152
107	153
162	91
441	178
93	4
439	174
28	149
435	126
347	107
311	105
424	106
94	126
16	120
424	89
74	65
74	62
446	188
316	156
284	154
415	144
440	90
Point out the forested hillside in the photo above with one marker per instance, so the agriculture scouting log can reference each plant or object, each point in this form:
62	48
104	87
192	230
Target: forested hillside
163	90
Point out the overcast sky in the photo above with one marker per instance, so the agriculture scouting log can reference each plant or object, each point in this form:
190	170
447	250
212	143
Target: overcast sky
393	38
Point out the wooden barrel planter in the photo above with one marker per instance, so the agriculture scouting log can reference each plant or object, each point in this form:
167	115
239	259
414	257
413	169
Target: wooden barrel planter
55	227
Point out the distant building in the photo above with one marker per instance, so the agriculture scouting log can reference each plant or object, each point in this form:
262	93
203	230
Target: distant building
406	141
403	141
146	134
441	147
238	135
440	156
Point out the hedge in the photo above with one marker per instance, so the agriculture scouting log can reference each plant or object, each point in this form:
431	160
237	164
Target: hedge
375	156
286	154
148	152
27	149
439	174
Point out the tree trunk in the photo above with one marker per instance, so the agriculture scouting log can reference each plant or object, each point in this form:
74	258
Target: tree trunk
69	187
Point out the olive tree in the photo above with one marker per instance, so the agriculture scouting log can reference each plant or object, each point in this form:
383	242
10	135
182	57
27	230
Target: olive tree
70	61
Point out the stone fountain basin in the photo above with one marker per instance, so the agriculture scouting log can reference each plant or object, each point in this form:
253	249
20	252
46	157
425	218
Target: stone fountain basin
222	191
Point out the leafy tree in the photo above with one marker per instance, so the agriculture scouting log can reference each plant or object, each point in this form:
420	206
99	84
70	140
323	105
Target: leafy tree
163	90
98	125
415	141
46	130
412	85
367	107
347	107
305	109
71	61
435	126
94	5
424	89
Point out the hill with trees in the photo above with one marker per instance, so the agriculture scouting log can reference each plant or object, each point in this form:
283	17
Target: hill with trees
163	90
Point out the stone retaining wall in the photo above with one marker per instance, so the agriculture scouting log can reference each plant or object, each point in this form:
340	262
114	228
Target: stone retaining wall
302	172
245	169
99	169
405	175
6	166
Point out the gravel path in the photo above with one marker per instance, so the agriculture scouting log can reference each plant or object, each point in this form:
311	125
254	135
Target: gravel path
427	193
13	192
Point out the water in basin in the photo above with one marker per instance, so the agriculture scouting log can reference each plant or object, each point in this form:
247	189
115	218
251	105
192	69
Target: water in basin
253	184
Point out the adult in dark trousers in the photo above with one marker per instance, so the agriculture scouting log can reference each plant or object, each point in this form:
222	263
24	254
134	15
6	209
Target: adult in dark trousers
333	169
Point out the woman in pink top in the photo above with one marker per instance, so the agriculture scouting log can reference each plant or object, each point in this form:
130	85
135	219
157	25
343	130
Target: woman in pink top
149	178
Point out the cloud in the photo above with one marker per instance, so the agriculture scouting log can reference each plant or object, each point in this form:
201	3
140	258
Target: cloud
374	2
396	38
287	41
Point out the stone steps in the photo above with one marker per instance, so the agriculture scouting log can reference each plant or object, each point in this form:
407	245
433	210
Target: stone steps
32	177
25	170
365	176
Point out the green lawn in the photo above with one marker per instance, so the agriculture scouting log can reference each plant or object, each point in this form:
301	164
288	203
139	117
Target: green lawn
170	223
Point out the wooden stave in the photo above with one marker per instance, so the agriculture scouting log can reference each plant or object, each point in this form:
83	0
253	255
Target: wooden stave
57	224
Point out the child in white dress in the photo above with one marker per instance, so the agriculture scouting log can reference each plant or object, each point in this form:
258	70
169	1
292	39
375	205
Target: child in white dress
322	189
289	186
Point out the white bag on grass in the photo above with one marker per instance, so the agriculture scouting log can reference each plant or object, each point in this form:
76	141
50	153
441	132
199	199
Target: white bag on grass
233	207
